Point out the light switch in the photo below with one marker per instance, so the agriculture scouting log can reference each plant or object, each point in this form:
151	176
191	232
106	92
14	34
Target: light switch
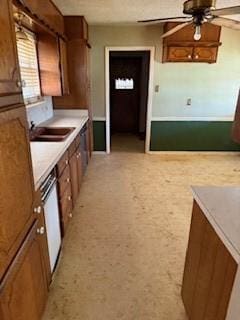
189	102
157	88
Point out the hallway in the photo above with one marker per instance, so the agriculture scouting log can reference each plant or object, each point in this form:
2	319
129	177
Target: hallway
124	252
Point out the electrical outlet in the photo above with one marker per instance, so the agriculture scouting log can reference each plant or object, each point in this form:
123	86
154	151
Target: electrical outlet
189	102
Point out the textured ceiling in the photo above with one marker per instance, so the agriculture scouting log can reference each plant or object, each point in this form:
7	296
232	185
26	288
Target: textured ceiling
127	11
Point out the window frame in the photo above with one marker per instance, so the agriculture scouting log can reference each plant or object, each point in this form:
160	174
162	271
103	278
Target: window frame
38	98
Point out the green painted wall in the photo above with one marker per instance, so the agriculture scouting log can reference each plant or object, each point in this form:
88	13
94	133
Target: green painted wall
192	136
99	135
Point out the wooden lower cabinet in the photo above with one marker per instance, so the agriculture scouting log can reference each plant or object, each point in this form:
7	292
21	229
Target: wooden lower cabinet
23	291
74	176
209	273
16	207
66	207
76	173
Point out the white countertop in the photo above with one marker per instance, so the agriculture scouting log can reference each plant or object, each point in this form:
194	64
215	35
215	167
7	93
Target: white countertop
221	206
45	155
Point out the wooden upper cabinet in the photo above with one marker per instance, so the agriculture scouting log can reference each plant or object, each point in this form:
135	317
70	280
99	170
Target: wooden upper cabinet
181	46
17	197
205	54
64	66
47	12
49	64
52	55
180	53
78	65
9	70
23	291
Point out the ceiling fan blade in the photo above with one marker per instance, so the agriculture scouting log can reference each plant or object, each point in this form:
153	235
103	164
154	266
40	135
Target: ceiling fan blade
175	29
226	11
164	19
224	22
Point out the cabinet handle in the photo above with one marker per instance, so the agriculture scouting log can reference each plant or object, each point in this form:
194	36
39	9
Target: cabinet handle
197	56
19	83
66	161
70	215
37	209
69	198
189	56
41	230
68	180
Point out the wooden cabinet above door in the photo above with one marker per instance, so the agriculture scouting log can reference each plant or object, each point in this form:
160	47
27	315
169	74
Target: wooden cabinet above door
9	70
181	46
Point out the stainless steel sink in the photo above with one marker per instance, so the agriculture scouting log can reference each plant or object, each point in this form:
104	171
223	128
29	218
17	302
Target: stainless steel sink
50	134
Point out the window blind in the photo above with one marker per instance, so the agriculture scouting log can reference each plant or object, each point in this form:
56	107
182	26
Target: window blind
27	55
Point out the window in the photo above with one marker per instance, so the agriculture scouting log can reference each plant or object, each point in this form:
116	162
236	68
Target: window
27	55
124	84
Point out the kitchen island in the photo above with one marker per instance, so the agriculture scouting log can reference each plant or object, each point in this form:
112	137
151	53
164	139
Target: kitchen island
211	282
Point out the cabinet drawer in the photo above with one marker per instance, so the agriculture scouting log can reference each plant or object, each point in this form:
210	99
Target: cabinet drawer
64	181
62	163
176	54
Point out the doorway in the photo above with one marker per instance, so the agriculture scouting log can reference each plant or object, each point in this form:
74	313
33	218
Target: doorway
129	77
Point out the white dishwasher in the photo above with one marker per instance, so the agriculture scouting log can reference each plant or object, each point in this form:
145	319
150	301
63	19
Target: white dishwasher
52	221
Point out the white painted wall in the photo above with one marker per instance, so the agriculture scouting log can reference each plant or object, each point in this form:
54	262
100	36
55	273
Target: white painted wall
41	111
212	88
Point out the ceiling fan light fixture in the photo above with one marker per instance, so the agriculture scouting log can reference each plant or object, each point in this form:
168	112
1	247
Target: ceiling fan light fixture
197	34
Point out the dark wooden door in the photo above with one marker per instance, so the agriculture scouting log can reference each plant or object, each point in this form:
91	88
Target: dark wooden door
125	103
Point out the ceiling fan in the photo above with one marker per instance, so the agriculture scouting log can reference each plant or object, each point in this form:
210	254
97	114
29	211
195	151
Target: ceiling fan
197	12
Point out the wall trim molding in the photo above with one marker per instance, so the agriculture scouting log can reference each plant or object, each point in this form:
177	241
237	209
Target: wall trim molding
99	152
151	49
207	119
99	118
194	153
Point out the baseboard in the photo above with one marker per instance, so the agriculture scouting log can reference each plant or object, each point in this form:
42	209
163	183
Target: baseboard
99	152
207	153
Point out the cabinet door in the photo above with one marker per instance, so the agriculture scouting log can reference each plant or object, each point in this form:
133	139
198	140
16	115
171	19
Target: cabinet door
79	169
23	291
16	184
209	273
74	176
9	71
205	54
66	206
49	64
64	67
180	54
